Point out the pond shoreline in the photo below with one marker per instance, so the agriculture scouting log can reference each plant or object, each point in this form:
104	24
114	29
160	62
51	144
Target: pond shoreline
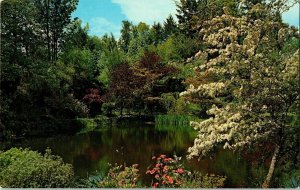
73	126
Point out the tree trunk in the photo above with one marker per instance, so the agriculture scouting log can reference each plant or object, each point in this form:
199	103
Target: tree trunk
121	110
268	179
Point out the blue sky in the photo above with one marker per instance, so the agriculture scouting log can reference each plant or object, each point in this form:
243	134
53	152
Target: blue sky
105	16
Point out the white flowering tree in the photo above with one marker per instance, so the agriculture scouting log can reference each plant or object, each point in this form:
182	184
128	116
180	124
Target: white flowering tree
252	79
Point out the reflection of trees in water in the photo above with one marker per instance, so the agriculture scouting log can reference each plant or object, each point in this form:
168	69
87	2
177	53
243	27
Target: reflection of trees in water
177	141
93	151
232	166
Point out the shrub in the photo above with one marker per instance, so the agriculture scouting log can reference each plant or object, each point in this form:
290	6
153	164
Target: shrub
198	180
291	179
92	181
168	172
23	168
121	177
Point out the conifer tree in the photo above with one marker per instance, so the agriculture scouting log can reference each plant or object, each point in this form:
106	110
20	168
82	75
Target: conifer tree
125	35
170	26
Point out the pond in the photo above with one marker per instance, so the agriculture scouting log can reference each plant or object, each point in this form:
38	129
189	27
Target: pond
135	142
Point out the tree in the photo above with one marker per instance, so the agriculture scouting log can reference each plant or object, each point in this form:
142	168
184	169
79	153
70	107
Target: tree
94	100
157	33
140	40
192	13
253	82
177	47
125	35
136	82
121	85
19	31
111	56
170	26
54	17
148	72
76	36
186	10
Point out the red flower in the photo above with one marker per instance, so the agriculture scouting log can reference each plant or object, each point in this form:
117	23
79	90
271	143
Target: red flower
170	179
155	185
168	160
180	171
162	156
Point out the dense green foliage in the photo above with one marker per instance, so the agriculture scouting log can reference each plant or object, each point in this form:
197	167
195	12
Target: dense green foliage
23	168
231	66
53	71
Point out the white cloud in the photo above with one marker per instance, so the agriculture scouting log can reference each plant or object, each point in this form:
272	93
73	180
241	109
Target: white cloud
292	16
100	26
148	11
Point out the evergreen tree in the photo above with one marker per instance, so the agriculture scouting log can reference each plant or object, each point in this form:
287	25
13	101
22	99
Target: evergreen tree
125	35
186	11
157	33
192	14
170	26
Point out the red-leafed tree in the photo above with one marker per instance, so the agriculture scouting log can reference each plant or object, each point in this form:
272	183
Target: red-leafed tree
94	100
121	85
135	82
151	69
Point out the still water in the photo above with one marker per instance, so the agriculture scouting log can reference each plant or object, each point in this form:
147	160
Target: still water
135	143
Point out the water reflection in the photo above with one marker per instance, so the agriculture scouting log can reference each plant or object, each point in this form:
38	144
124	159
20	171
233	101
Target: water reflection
92	151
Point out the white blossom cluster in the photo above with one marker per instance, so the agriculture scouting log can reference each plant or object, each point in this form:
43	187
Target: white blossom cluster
233	55
229	128
291	69
210	90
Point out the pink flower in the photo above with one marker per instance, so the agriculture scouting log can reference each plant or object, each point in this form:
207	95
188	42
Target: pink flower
157	165
153	158
165	168
162	156
180	171
155	185
156	176
170	179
